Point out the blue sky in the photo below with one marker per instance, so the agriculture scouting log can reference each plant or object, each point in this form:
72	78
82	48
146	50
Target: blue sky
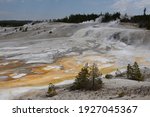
47	9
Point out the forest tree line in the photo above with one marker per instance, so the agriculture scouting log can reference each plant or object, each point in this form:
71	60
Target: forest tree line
13	23
142	20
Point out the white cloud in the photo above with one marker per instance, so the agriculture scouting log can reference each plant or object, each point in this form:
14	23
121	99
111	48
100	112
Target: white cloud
122	5
126	5
142	3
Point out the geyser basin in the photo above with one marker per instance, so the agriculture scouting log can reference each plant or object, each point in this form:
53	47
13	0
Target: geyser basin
42	58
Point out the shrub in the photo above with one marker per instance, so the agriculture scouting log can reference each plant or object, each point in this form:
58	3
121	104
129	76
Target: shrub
134	73
50	32
51	91
87	79
109	76
122	94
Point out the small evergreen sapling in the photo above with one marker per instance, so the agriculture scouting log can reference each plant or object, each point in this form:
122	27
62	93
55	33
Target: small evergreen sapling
51	90
134	73
82	78
87	79
129	71
94	73
137	73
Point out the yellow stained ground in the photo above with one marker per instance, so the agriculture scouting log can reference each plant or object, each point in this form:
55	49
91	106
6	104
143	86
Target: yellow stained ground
40	77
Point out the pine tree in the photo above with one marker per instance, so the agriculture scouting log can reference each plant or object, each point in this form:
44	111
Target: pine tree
145	11
129	71
87	79
51	90
82	78
137	73
94	73
134	73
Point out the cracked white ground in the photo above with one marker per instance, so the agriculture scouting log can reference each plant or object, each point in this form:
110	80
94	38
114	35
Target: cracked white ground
55	52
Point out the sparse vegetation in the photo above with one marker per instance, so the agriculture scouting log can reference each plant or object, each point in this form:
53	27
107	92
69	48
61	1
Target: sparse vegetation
121	94
134	73
88	79
50	32
143	21
51	91
108	76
